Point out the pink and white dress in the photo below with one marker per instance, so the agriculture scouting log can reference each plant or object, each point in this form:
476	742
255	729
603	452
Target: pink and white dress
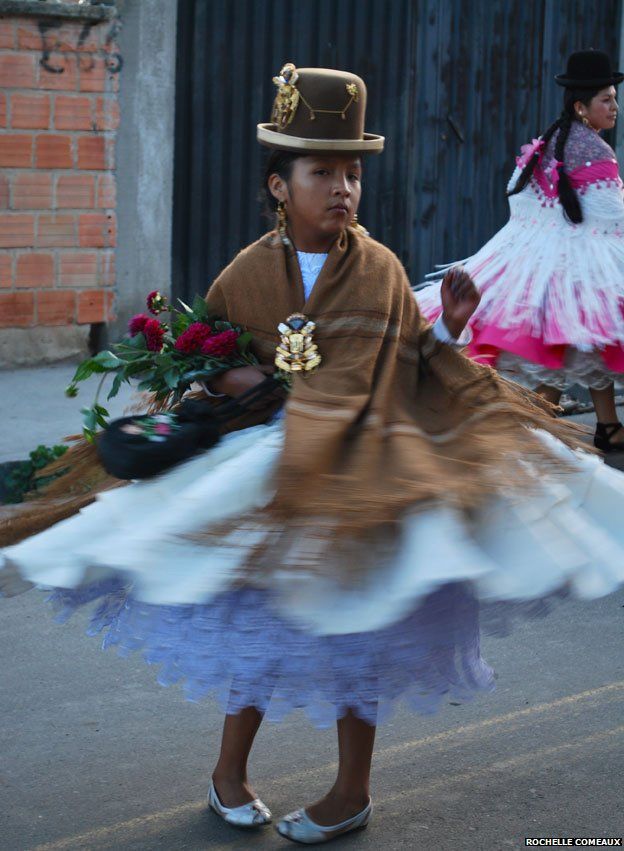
552	292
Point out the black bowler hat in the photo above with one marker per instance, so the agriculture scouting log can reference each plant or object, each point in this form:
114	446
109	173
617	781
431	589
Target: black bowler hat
589	69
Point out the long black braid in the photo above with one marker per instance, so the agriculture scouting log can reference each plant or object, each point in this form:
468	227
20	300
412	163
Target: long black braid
567	196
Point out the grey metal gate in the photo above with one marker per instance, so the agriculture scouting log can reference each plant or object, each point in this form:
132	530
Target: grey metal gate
456	86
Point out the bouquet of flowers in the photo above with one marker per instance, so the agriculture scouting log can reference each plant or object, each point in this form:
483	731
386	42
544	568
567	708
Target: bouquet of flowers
165	358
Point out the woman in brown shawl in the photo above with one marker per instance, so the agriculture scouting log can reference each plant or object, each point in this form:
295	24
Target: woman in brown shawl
336	556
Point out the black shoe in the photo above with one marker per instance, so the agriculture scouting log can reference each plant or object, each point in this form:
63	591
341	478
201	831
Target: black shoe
603	435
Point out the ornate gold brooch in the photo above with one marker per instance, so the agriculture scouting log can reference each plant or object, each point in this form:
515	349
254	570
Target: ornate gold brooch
287	98
297	351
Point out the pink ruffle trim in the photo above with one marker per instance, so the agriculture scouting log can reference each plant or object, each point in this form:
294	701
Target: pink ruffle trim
488	343
605	170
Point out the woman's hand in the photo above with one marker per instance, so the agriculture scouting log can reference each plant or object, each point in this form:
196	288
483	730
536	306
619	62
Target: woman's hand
460	299
237	381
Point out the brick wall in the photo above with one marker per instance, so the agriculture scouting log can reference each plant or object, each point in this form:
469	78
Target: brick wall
58	116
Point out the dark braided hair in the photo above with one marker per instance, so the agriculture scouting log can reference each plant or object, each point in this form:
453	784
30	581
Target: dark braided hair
278	162
567	196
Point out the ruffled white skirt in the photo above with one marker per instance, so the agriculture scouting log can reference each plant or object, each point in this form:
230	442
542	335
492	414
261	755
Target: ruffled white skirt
288	638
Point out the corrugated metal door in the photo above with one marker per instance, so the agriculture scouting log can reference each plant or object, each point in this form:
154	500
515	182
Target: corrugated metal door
456	86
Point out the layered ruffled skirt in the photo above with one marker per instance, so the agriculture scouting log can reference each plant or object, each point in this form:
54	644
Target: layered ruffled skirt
286	639
552	293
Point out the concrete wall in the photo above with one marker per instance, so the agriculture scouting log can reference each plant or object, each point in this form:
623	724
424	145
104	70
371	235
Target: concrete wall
145	154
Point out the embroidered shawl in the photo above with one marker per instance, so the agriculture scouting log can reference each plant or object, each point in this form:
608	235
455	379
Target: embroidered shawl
392	419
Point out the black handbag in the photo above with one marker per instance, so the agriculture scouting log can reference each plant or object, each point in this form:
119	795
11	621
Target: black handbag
143	446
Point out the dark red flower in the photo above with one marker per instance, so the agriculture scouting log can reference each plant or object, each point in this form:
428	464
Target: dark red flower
156	302
221	345
154	335
137	324
190	341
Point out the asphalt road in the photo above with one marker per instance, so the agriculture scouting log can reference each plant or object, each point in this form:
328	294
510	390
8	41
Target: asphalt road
95	755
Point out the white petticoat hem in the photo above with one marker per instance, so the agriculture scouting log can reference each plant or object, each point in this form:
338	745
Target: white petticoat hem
569	537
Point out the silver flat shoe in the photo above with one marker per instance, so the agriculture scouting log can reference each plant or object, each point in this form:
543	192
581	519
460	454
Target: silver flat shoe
299	827
253	814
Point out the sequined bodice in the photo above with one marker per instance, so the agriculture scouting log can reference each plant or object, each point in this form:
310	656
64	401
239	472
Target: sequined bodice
583	148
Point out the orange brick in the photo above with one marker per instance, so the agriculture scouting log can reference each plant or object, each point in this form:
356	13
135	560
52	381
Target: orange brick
16	150
30	111
17	231
4	192
3	110
107	264
73	113
76	191
95	76
17	71
97	230
7	36
107	191
34	270
92	152
32	191
106	114
56	232
64	38
6	269
66	77
17	310
78	269
52	151
92	306
29	36
110	154
56	307
72	36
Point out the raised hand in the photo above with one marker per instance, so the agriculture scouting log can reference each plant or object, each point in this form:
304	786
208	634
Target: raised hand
460	299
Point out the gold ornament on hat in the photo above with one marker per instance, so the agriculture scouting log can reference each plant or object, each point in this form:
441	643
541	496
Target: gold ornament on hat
297	351
287	99
352	90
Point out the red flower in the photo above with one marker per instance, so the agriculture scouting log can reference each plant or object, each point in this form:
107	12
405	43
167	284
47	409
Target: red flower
154	335
156	302
190	341
137	324
221	345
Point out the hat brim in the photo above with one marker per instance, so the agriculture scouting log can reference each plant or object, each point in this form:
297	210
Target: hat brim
602	82
370	144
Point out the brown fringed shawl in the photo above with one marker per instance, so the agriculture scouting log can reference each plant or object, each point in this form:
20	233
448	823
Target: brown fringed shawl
392	419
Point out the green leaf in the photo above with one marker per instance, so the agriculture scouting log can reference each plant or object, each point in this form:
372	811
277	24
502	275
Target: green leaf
100	416
136	342
200	309
202	374
243	341
172	378
180	323
71	391
108	360
117	382
89	419
86	369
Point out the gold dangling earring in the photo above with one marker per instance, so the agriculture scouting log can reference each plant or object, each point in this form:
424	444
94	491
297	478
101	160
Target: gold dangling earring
357	226
584	119
281	223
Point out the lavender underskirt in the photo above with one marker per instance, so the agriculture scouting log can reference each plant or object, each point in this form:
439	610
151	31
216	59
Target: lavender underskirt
238	649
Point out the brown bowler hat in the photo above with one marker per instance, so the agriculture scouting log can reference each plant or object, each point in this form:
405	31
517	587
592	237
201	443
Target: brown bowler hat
319	109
